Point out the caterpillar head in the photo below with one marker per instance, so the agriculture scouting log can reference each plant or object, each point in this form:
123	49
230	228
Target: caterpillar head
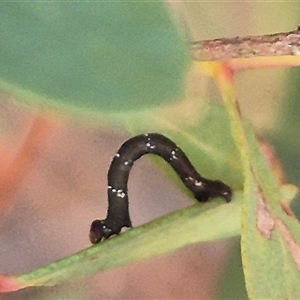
99	231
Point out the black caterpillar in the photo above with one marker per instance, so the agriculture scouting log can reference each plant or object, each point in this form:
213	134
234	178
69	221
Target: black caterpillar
118	213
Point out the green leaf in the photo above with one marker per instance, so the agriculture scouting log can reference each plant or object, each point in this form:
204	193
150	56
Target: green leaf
270	234
91	57
174	231
269	225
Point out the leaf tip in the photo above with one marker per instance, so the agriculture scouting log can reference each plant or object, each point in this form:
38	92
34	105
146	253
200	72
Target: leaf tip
10	284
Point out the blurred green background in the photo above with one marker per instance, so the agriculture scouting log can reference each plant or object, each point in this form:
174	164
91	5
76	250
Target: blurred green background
94	56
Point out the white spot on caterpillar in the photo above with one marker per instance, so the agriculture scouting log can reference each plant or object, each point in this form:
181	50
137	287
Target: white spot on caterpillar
173	154
149	145
120	193
109	187
198	183
117	155
126	163
195	182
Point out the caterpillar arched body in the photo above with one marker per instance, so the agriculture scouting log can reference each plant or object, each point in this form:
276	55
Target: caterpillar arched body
118	207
